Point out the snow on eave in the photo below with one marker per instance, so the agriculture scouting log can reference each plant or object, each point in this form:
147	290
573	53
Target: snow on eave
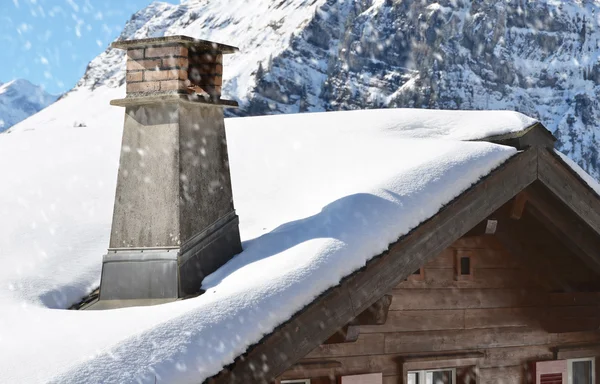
518	134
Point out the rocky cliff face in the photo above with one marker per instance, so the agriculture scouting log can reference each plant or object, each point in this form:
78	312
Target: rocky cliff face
20	99
540	58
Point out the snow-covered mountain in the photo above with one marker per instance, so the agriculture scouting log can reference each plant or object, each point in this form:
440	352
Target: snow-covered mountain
20	99
540	58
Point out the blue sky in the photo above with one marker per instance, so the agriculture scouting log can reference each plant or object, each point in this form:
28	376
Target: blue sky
50	42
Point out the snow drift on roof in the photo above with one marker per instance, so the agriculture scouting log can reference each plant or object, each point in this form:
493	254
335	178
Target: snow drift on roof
318	195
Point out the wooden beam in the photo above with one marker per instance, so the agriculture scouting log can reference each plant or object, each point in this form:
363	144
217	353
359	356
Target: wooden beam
535	136
576	351
336	307
376	314
518	206
346	334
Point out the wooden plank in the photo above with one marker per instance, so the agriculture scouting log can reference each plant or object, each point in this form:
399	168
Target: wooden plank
570	319
367	344
502	357
494	259
505	375
417	365
443	260
336	307
576	338
577	351
389	365
501	317
573	298
476	242
569	188
484	278
480	258
409	321
470	339
464	298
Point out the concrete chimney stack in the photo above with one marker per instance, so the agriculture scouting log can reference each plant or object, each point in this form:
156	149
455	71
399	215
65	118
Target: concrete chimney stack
174	220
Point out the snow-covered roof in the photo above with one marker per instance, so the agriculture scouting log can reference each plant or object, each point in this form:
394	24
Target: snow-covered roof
318	195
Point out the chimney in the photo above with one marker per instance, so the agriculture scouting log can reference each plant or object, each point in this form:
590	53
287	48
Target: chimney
173	221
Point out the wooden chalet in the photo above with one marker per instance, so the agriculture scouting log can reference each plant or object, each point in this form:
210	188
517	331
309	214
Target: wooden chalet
501	286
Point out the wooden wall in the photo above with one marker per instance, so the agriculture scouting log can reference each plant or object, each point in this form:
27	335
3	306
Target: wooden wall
493	320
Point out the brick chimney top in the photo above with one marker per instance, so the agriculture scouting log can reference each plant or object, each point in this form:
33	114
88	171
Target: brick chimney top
174	67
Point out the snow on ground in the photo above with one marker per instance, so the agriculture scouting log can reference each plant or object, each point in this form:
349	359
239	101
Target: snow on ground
317	195
589	180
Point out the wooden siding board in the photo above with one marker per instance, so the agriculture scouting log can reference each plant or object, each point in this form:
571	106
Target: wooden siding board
501	317
469	339
486	279
427	320
389	365
502	357
367	344
505	375
465	298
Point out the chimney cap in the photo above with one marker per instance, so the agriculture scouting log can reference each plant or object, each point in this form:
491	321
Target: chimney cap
170	40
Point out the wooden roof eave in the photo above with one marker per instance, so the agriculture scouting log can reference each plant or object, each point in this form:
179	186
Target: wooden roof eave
339	305
568	186
536	135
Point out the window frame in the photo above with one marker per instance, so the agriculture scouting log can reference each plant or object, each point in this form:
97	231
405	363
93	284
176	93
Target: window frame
570	368
417	276
423	372
458	276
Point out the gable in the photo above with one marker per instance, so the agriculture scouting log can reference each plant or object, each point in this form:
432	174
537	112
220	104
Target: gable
339	305
496	321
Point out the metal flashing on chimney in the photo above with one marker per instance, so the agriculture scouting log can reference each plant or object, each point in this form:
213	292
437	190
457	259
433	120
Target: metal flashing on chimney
174	221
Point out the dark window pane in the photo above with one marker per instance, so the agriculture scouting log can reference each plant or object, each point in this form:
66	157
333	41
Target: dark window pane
582	372
465	265
442	377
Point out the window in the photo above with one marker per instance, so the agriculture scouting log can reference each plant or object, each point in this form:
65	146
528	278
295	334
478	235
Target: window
581	371
463	266
418	275
432	376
